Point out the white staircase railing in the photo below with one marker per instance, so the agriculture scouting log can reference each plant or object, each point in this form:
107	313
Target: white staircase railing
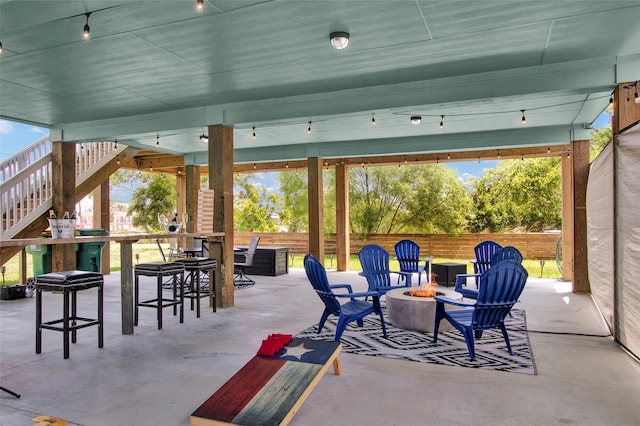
25	180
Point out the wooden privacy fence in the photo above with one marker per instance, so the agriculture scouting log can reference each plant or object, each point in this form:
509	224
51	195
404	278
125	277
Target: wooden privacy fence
532	246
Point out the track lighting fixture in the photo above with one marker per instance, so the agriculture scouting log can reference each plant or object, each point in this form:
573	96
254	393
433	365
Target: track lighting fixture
199	5
339	40
373	120
442	121
415	120
309	128
86	32
254	131
524	120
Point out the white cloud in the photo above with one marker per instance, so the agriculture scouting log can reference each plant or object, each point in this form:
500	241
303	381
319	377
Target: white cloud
6	127
38	130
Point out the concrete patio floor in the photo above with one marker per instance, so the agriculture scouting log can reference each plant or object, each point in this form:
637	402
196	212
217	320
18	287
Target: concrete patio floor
159	377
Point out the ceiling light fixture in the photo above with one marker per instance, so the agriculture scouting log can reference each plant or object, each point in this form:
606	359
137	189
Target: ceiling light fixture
116	144
415	120
0	47
199	5
204	138
442	121
254	131
118	159
339	40
636	95
373	120
158	140
86	32
524	120
309	128
150	166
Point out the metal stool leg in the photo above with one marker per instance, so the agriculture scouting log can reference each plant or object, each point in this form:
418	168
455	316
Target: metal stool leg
100	317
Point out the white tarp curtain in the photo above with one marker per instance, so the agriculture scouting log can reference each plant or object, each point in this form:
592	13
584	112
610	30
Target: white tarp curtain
628	238
600	223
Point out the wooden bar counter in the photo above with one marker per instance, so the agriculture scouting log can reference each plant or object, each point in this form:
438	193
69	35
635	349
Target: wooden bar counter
126	259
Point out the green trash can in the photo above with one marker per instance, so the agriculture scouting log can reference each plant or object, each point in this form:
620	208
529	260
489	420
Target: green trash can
41	258
89	254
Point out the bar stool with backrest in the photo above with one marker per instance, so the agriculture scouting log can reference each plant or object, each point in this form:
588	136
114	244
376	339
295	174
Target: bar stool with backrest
160	270
69	283
199	281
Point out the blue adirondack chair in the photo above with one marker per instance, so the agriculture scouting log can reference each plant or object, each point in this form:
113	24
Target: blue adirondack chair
353	310
504	253
375	268
483	252
408	256
500	288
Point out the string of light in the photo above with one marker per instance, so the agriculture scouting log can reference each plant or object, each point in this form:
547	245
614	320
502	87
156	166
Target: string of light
416	119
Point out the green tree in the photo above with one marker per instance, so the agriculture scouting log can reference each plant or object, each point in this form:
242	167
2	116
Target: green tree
254	209
156	196
519	195
413	198
599	139
295	214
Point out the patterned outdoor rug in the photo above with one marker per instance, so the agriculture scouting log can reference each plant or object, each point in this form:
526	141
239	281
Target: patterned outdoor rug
491	351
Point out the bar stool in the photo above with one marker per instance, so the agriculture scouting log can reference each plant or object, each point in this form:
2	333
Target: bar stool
195	266
69	283
160	270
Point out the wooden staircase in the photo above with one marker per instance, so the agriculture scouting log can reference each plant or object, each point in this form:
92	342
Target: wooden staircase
26	190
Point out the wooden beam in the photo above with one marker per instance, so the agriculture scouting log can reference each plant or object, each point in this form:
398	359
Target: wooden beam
626	112
63	172
221	181
342	217
567	218
316	212
101	219
580	159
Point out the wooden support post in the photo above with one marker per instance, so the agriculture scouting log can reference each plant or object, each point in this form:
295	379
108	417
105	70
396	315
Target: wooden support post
22	267
101	219
221	181
567	217
342	217
580	159
63	172
316	212
181	204
192	185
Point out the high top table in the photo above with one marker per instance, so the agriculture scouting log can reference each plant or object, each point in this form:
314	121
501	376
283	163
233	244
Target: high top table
126	260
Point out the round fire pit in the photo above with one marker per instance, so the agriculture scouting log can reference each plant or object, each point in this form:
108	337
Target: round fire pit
415	312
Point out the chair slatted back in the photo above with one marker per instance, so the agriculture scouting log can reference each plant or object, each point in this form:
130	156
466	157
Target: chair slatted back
317	275
483	252
251	251
499	289
375	266
408	255
508	252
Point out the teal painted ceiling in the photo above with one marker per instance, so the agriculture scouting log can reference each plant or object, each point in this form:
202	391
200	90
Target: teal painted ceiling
159	69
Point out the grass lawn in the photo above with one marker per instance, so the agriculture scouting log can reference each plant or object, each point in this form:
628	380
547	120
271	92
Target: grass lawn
147	252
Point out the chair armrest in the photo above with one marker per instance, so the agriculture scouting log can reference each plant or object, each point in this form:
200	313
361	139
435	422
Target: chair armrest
364	294
459	278
347	286
448	301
